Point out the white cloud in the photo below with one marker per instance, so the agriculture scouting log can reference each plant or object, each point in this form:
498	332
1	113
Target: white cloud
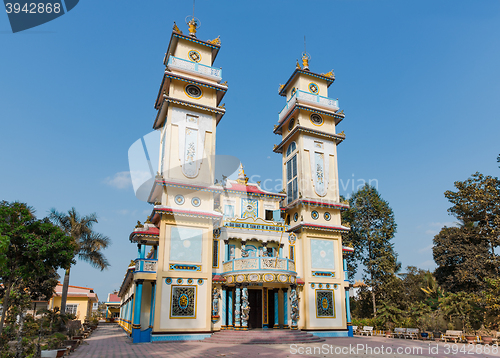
431	232
425	249
120	180
429	264
443	224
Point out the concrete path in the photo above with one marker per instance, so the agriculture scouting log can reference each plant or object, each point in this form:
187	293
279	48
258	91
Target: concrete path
110	341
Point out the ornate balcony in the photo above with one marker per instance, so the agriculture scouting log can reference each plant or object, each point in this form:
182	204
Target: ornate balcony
196	68
308	98
261	264
145	265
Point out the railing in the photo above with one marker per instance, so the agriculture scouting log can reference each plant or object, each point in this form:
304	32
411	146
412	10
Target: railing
195	67
302	96
145	265
259	263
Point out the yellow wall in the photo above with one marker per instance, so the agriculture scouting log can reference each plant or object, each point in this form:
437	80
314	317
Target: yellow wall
84	306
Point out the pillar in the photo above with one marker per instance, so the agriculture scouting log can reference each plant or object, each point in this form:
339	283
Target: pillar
285	308
294	308
230	310
276	310
223	314
244	308
136	324
237	308
153	298
348	312
155	252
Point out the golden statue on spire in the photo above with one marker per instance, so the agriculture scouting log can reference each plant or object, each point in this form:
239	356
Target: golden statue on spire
305	61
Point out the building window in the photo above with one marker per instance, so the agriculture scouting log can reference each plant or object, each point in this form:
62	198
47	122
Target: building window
291	148
291	179
232	252
72	309
216	254
228	211
193	91
269	215
292	253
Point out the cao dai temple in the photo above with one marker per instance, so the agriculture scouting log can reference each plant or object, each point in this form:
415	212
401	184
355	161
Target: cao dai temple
221	255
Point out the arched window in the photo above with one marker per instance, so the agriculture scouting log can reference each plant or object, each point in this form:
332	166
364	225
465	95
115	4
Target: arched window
291	148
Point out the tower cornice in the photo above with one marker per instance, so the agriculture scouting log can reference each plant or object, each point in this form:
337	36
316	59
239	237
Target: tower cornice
221	89
338	138
175	38
283	89
167	100
338	116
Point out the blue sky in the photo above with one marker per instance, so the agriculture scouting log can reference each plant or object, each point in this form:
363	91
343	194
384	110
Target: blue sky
417	81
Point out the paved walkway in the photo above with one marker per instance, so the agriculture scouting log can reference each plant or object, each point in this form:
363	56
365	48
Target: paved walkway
110	341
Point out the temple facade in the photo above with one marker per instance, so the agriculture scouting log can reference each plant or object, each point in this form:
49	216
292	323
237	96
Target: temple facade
219	254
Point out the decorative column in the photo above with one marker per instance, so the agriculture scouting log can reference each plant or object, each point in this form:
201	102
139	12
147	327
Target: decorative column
237	308
244	252
276	310
230	309
224	308
348	312
294	303
285	309
245	308
281	250
215	304
139	251
155	252
153	298
136	324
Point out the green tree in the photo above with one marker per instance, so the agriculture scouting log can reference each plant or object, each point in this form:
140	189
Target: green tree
464	306
88	244
465	255
372	229
490	300
36	249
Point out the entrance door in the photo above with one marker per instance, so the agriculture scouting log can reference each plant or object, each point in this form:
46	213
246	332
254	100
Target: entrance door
255	303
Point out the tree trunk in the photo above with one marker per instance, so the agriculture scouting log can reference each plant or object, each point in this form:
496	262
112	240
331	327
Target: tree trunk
5	306
19	348
64	296
374	305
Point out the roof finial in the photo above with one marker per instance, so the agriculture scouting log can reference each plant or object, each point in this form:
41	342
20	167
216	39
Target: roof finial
193	23
241	172
305	57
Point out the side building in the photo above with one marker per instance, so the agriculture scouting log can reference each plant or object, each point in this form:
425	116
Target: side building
219	254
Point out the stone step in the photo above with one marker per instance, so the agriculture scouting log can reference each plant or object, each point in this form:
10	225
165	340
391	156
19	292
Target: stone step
262	337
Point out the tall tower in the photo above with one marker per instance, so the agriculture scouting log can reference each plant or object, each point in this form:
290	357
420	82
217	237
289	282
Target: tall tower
307	125
189	110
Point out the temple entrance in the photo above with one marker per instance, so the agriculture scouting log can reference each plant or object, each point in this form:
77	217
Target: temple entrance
255	303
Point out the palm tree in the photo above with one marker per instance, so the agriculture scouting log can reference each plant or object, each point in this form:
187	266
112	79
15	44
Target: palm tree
88	243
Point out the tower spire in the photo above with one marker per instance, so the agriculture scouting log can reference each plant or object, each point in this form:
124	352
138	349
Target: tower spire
193	23
305	57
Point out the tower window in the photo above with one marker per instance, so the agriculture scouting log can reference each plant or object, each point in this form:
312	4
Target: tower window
291	179
316	119
291	148
194	56
193	91
313	88
291	124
